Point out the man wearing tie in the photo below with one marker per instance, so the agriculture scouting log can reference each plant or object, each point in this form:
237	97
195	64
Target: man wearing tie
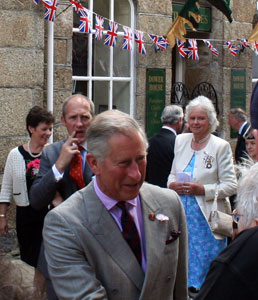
63	167
118	238
238	121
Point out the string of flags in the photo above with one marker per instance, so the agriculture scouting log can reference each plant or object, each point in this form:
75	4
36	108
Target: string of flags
160	42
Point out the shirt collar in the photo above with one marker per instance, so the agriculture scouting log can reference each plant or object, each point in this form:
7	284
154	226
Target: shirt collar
108	202
169	128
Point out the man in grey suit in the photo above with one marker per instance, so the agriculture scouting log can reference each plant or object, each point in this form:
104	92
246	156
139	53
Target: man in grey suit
53	183
118	238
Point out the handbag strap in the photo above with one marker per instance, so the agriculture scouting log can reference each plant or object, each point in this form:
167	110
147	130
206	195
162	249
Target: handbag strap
215	202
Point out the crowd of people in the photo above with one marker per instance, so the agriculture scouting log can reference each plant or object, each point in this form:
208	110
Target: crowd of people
127	218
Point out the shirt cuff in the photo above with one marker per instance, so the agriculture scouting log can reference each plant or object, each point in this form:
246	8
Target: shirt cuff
57	174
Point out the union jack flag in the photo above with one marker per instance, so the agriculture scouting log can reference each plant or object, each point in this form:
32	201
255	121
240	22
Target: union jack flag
99	26
183	51
139	39
36	1
128	37
233	49
160	42
50	11
256	48
77	6
213	50
244	44
111	36
193	50
85	21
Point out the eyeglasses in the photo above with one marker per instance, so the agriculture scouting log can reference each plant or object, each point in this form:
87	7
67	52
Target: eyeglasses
236	216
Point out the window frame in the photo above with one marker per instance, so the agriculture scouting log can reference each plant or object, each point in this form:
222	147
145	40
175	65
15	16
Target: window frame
111	79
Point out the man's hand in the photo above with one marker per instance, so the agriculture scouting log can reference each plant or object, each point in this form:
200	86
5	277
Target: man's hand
69	149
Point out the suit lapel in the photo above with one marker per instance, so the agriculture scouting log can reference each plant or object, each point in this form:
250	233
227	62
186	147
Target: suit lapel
103	226
155	237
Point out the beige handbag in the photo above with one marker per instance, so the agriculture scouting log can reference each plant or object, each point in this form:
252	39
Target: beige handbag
220	222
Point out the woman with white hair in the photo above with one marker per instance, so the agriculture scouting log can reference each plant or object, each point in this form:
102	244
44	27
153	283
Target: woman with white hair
234	273
203	163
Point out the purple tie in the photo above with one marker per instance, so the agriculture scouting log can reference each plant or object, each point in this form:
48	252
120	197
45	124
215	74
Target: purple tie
130	232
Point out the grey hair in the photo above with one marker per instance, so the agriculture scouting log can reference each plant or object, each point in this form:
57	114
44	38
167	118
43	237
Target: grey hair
107	124
239	113
206	105
247	193
171	114
92	106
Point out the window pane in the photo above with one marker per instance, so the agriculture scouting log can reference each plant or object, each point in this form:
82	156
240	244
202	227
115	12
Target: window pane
121	61
122	12
80	87
101	58
100	95
80	53
121	96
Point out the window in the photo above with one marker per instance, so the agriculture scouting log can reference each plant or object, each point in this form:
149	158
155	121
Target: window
105	74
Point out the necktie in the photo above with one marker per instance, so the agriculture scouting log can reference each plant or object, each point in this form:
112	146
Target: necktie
130	232
76	170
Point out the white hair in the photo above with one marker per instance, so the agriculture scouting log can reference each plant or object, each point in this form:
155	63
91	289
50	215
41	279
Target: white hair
247	193
207	106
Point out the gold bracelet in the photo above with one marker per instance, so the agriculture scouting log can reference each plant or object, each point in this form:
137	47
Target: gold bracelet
2	215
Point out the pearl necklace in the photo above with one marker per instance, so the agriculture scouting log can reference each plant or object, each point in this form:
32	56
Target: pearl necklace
29	151
202	140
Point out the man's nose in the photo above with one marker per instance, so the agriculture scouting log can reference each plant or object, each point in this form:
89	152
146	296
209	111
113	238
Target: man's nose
134	171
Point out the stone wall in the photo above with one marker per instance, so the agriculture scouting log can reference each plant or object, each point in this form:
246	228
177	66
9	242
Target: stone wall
152	17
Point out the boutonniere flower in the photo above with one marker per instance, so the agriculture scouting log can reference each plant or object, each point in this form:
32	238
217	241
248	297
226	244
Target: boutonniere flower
159	217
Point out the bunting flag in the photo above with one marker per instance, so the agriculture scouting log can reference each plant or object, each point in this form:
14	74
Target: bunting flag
85	21
111	36
189	15
36	1
77	6
233	49
139	39
160	43
256	48
223	6
213	50
183	51
128	38
99	26
193	50
50	11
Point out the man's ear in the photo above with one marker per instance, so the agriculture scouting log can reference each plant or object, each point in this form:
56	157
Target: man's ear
63	120
93	163
256	222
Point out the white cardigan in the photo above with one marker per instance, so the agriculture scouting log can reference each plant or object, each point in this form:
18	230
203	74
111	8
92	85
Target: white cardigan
213	166
14	184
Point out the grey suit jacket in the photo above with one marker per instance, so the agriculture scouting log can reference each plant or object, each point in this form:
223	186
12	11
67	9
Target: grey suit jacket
88	257
44	187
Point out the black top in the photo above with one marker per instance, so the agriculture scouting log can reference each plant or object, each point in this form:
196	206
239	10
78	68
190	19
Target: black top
160	157
234	273
240	151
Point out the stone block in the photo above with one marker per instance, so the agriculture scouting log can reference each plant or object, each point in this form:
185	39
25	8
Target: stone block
59	132
154	24
140	110
19	5
155	7
16	29
15	104
160	59
59	98
241	60
237	30
240	11
21	68
60	52
63	77
141	81
64	21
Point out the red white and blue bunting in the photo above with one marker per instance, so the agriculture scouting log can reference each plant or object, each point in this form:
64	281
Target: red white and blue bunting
187	49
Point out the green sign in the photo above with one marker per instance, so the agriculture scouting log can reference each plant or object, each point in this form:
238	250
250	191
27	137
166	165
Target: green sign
204	25
238	92
155	99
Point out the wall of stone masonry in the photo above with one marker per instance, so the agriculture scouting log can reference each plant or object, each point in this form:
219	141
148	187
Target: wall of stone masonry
152	17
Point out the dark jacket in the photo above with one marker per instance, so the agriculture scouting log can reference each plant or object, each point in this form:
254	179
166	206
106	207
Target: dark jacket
240	151
234	273
160	157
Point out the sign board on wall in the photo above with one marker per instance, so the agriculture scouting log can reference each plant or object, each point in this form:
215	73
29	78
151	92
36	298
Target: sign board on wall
205	12
155	99
238	91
